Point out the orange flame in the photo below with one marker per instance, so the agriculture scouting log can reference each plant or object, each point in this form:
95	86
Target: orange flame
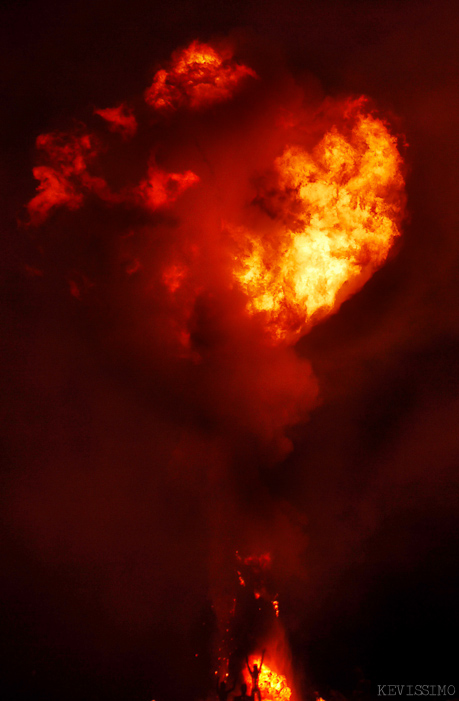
339	213
198	77
273	685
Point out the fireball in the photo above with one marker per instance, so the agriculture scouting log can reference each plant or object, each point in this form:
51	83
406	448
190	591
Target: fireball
340	213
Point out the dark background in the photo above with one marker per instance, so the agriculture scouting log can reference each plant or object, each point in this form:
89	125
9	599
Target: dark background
109	545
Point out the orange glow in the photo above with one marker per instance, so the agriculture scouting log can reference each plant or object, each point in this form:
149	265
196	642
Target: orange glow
198	76
273	686
338	213
120	119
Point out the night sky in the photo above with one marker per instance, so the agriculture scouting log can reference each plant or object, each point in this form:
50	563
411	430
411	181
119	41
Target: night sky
130	476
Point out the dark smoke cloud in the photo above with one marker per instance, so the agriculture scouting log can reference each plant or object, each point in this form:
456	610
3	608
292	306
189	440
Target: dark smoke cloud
131	476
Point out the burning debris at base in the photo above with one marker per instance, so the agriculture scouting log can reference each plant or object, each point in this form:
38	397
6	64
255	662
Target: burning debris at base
253	616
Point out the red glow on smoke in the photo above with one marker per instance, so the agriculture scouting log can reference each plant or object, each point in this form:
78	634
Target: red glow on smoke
160	188
66	180
258	563
198	76
65	177
173	277
120	119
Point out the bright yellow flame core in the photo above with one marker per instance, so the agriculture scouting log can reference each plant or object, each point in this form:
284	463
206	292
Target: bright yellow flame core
344	206
273	686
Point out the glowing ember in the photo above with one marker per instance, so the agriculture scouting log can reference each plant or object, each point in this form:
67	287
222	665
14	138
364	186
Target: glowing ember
340	212
198	76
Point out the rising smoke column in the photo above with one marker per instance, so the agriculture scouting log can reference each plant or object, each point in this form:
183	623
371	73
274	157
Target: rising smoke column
239	235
